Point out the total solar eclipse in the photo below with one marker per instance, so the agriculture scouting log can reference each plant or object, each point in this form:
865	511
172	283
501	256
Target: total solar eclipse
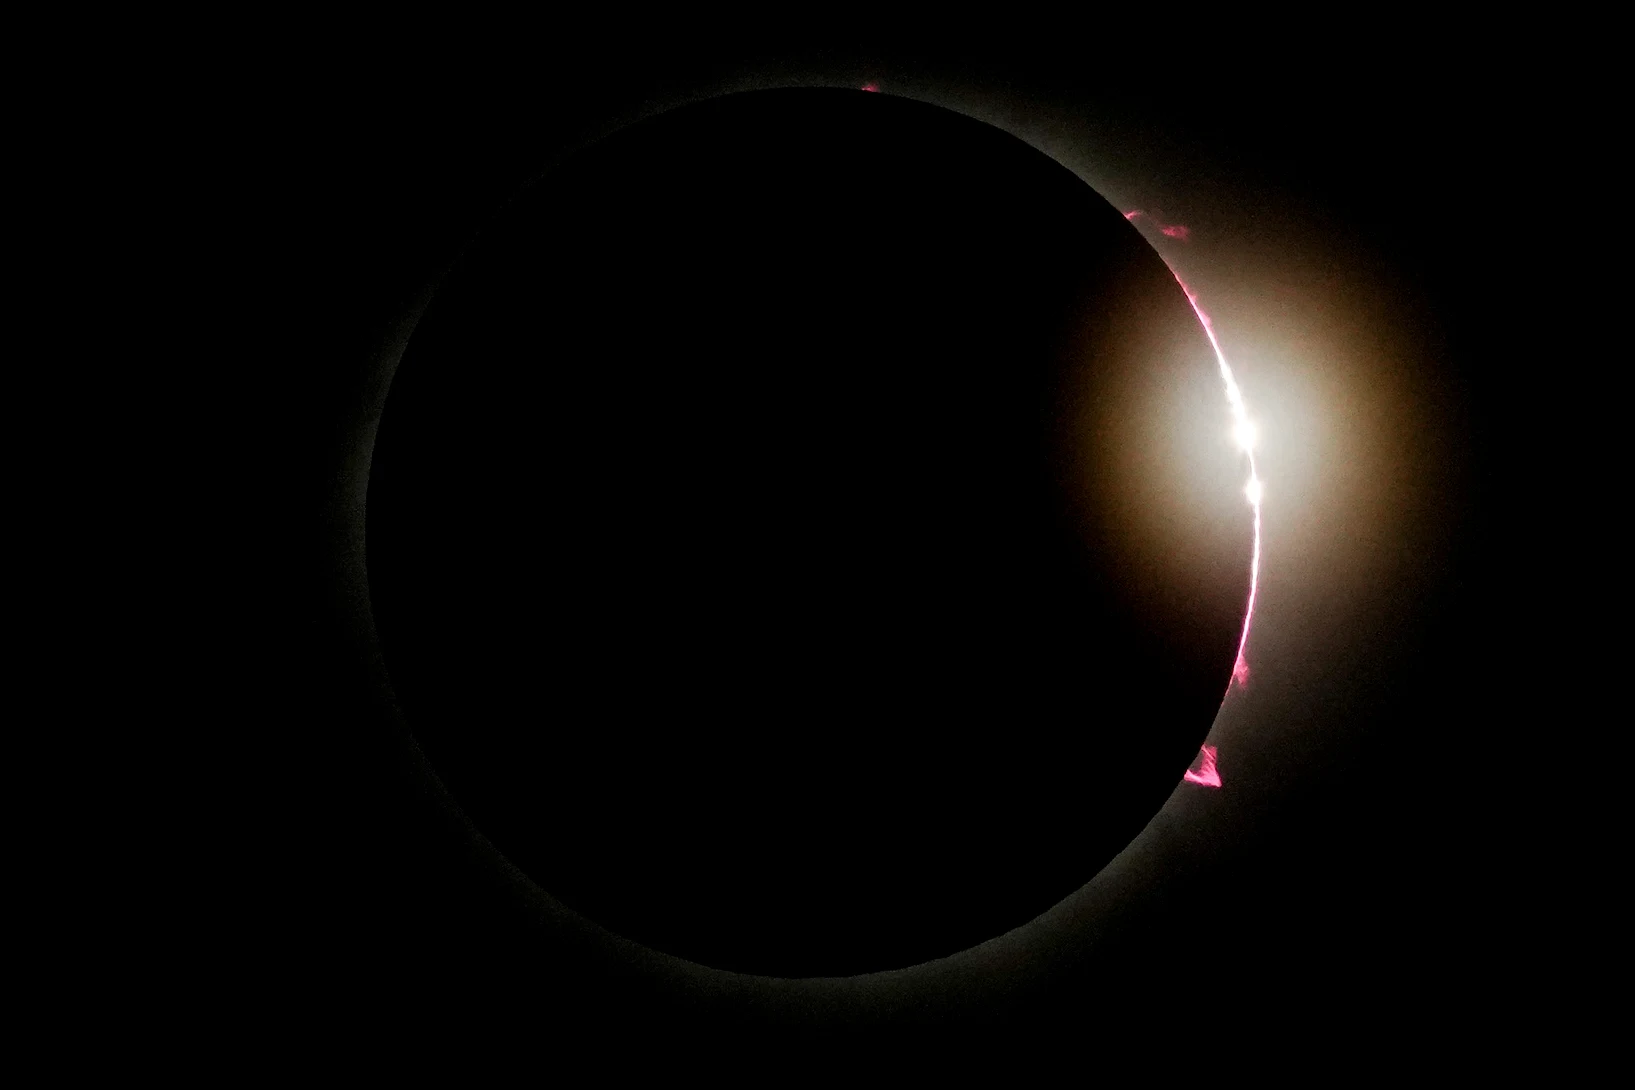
806	533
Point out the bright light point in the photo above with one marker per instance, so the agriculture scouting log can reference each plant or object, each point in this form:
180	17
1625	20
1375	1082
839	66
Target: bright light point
871	87
1254	491
1247	434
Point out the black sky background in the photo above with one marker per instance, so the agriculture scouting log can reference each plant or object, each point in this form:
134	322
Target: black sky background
1369	893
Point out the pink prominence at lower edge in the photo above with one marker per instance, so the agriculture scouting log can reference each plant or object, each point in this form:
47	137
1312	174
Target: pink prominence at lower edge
1206	773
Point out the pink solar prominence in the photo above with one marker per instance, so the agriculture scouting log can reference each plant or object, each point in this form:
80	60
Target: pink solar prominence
1205	773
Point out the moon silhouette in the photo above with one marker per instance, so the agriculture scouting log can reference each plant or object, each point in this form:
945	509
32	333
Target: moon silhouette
804	533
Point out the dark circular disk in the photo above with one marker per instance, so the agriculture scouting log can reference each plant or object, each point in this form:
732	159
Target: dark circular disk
804	533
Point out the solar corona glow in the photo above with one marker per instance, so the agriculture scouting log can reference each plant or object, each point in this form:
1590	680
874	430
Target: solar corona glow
1246	434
